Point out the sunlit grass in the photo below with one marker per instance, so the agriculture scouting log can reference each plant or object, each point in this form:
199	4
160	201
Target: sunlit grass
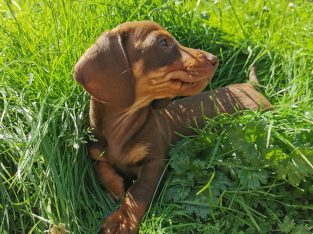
46	177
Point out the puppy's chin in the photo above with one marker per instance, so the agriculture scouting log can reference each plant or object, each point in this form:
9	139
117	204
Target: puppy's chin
187	82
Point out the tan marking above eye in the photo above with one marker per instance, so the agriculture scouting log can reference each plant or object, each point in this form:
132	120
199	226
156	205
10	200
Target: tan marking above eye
153	38
147	42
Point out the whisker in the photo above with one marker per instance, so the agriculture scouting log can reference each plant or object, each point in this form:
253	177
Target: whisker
124	72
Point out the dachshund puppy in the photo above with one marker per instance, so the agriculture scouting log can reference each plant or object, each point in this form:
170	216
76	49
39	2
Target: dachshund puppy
132	72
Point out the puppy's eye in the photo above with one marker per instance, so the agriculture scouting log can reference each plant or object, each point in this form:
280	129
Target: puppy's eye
162	43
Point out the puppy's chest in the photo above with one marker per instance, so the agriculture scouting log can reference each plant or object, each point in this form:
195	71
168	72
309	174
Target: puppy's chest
128	162
137	153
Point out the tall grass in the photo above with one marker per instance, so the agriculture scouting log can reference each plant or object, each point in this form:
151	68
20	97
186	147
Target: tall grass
45	176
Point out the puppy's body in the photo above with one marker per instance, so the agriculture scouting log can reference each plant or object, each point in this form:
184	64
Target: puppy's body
129	71
230	99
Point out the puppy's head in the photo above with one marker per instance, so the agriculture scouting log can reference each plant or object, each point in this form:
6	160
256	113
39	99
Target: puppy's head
139	62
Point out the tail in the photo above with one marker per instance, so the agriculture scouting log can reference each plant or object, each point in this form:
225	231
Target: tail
253	80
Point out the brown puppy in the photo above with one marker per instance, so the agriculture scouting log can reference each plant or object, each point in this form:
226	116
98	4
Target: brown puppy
128	72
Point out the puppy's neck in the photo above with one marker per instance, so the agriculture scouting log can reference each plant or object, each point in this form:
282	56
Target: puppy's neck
116	126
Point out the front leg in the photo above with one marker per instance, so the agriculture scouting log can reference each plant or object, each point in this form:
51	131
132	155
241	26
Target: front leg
138	197
106	174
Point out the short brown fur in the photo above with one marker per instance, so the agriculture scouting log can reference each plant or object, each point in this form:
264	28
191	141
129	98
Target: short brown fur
130	72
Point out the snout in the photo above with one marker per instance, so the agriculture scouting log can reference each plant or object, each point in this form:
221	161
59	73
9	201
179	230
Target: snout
212	59
200	64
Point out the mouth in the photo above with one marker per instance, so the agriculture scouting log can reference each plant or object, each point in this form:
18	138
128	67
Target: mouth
194	79
191	80
196	76
186	80
191	83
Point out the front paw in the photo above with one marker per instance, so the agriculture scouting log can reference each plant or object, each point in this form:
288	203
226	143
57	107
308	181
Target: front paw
120	222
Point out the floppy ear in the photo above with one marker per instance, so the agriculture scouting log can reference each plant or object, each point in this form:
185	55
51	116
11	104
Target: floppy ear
104	72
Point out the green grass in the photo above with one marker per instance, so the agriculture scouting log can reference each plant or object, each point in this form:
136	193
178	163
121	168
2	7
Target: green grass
252	175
